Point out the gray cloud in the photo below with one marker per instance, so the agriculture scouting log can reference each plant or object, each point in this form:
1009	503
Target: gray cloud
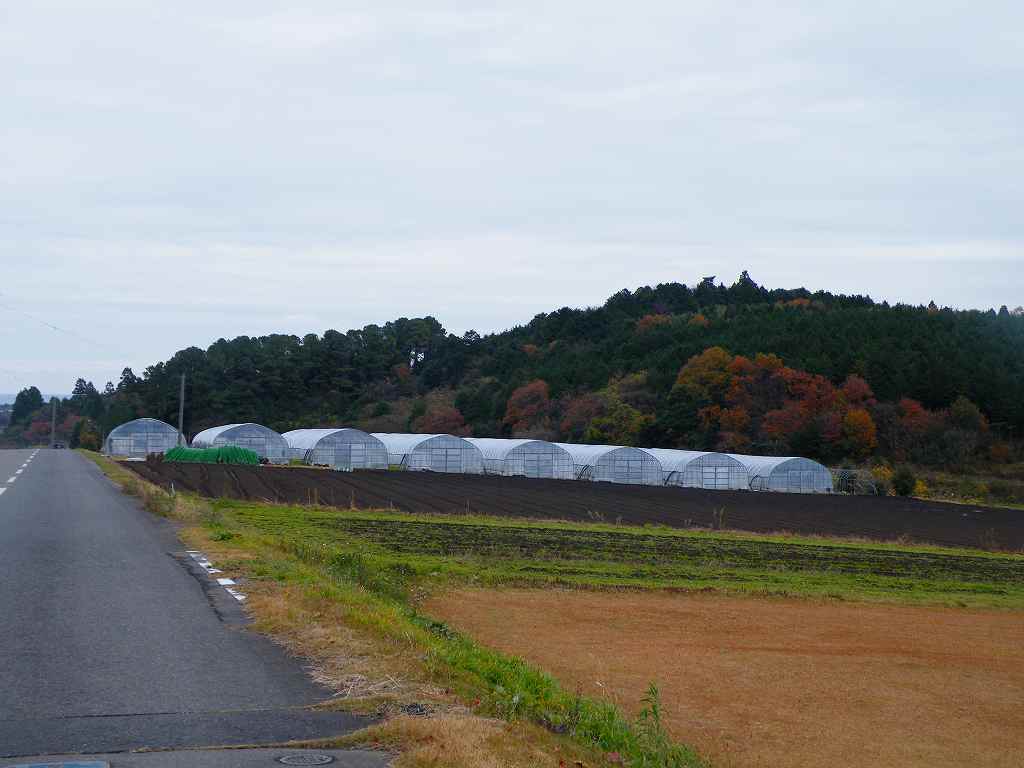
176	173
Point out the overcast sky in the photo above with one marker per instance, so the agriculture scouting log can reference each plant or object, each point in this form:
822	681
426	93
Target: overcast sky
175	172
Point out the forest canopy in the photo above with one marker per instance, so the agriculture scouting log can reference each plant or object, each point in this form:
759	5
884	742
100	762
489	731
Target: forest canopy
738	367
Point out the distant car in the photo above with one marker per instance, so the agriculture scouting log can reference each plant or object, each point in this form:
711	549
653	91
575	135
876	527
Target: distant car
58	445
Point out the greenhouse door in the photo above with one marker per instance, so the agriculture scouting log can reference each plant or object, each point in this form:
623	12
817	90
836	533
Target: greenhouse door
629	471
453	460
531	465
357	456
545	466
435	461
121	446
538	465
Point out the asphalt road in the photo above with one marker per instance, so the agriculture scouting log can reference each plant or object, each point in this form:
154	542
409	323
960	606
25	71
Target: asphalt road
224	758
108	642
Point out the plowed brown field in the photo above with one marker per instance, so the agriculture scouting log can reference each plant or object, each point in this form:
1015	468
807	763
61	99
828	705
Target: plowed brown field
423	492
780	683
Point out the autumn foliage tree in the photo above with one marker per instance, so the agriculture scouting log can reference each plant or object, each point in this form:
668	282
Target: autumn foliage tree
442	419
85	434
734	403
577	414
859	434
529	409
649	322
38	432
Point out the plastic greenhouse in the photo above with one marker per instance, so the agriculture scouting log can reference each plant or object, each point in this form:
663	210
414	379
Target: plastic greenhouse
139	438
264	441
344	449
433	453
789	474
614	464
526	458
701	469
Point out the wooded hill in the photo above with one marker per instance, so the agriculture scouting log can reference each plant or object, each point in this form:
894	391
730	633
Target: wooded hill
735	367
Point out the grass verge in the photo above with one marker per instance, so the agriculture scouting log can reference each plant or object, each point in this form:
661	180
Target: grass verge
403	555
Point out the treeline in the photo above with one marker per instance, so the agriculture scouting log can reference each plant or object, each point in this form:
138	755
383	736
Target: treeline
79	420
824	375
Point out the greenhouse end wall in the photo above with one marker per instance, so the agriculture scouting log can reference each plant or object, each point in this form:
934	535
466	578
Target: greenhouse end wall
701	469
786	474
139	438
343	449
432	453
265	442
614	464
521	457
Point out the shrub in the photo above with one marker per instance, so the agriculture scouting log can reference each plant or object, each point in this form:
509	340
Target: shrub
999	452
903	482
1004	490
882	477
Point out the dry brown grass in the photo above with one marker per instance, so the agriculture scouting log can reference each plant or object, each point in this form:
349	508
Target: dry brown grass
348	662
772	682
304	620
465	741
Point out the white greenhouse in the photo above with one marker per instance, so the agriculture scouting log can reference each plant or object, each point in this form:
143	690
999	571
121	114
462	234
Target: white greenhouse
432	453
789	474
701	469
525	458
344	448
139	438
614	464
263	440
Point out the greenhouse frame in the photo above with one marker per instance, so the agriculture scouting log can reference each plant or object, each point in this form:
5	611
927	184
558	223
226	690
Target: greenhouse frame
342	448
614	464
701	469
524	458
139	438
432	453
267	443
786	474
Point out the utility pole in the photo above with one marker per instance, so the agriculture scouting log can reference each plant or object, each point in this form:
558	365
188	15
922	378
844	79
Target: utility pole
181	412
53	421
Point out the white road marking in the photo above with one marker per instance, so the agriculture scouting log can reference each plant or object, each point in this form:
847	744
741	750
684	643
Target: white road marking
11	480
18	472
204	562
235	594
3	491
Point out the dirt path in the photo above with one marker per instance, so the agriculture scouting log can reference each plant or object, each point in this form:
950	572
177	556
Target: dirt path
754	682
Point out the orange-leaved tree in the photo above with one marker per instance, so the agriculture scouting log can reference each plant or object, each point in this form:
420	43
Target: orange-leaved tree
442	420
529	408
859	434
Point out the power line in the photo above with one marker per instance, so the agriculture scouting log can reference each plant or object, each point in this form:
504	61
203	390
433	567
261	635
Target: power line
57	328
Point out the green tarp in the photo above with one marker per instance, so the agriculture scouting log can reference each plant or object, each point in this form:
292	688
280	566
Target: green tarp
227	454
